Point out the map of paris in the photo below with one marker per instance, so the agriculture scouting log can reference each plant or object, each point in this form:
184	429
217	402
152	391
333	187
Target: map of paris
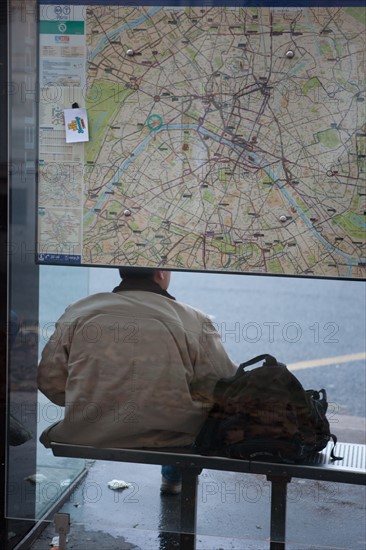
221	139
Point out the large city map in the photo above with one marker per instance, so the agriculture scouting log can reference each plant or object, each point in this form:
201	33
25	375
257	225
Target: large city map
221	138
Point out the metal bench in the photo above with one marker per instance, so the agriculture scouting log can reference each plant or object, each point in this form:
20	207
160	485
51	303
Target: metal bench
351	469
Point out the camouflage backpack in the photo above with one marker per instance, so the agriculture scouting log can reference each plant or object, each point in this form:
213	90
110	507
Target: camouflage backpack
265	412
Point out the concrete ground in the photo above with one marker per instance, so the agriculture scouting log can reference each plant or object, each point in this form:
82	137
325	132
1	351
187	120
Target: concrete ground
233	510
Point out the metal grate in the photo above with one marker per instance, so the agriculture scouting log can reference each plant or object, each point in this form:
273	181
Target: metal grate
354	456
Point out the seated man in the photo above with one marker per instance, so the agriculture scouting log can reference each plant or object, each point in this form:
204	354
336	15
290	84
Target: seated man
133	368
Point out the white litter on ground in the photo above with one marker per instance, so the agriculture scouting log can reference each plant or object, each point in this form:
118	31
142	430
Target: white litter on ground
118	484
65	482
55	543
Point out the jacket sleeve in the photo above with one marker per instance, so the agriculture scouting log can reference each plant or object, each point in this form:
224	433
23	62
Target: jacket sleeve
53	367
211	362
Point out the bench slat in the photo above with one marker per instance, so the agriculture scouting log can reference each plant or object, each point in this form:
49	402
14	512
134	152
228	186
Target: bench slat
352	469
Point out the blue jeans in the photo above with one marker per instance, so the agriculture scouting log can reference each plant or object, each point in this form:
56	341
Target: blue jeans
172	473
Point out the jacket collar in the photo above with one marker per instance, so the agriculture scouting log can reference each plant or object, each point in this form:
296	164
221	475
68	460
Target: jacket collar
142	284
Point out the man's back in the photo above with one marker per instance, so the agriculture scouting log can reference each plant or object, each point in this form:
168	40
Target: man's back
132	368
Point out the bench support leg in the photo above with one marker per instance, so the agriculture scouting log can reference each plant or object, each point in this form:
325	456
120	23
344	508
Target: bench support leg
278	511
188	510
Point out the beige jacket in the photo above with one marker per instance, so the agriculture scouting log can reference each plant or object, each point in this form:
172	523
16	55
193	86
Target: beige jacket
133	369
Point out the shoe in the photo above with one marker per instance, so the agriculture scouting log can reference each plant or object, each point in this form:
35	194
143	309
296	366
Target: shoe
168	487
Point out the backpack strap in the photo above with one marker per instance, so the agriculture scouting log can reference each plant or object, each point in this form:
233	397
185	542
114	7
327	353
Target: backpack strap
269	360
332	455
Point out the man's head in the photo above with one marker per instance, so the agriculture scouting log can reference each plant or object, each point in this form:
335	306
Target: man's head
159	276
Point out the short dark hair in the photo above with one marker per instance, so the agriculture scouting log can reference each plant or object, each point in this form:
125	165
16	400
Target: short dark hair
136	272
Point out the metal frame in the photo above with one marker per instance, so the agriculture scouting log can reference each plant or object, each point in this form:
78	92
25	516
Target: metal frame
4	267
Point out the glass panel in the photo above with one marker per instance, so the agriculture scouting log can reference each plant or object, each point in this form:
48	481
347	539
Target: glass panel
23	291
318	328
34	481
59	286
